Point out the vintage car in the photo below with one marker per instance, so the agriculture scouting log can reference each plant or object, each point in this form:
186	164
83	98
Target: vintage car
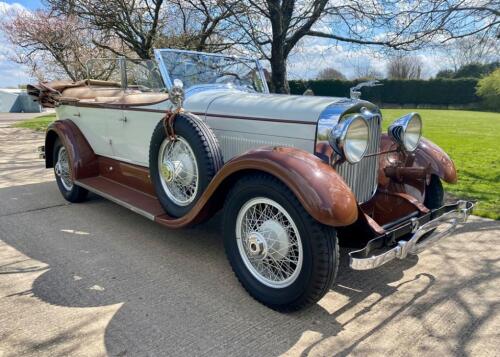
179	138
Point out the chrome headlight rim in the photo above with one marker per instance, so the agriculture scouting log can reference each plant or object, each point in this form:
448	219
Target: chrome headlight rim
339	137
398	131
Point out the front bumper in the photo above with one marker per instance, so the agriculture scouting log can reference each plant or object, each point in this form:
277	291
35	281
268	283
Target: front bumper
442	221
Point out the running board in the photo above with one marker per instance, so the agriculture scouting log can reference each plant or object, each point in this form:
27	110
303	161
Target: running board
136	201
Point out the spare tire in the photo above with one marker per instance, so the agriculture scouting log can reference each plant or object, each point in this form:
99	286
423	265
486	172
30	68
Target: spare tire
181	169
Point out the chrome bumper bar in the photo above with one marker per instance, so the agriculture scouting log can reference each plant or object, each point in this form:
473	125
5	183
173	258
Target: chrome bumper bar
443	221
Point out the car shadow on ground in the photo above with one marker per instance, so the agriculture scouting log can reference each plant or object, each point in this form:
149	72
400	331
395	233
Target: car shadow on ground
179	295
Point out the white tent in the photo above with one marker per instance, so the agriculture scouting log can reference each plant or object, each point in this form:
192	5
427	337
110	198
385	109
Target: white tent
17	101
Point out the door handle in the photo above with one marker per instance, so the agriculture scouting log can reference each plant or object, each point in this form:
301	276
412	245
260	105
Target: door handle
124	119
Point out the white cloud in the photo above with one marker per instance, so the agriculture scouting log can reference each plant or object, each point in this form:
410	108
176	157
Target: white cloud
6	7
315	54
11	74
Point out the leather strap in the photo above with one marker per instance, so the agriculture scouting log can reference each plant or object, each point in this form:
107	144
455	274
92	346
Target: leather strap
168	122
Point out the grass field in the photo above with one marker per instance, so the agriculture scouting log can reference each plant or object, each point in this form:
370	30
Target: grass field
39	123
472	139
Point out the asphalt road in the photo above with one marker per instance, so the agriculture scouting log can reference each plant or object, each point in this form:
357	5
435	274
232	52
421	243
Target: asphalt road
95	279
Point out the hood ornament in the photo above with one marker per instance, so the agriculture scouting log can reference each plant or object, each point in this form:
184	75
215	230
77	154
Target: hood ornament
355	91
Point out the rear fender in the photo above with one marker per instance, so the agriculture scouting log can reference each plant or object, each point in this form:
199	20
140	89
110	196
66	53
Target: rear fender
82	158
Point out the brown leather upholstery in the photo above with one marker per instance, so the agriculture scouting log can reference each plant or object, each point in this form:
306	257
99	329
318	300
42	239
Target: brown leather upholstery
135	99
92	91
61	85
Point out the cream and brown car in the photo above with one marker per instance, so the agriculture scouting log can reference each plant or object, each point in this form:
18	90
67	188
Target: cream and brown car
183	136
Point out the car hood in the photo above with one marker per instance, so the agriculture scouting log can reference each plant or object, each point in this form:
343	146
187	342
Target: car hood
259	105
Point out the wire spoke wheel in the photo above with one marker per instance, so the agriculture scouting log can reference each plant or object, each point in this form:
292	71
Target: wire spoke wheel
269	242
62	169
178	170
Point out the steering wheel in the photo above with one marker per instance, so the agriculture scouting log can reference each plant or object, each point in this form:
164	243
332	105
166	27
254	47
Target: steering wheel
225	75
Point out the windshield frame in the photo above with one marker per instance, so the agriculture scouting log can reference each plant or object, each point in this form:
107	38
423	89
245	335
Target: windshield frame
169	81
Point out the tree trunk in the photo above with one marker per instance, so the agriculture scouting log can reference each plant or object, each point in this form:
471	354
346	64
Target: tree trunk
279	81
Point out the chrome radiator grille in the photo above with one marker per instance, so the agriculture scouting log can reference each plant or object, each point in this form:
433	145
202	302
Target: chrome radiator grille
362	177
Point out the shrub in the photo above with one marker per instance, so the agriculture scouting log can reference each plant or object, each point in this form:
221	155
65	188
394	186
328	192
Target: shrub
435	91
488	88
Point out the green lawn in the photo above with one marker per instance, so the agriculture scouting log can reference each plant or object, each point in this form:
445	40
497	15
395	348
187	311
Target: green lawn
472	139
38	123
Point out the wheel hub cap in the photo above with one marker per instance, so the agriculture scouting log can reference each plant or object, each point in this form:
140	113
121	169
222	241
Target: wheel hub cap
269	242
276	238
58	169
62	169
167	171
178	170
257	245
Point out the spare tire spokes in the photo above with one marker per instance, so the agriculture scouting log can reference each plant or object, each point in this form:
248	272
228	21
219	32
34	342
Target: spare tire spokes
179	171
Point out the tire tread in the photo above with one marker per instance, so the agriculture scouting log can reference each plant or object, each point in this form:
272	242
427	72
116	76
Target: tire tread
323	243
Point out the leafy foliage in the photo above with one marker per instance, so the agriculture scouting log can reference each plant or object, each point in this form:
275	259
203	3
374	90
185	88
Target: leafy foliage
488	88
472	70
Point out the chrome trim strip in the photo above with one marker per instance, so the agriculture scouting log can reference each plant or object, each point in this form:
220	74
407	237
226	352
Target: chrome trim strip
413	246
163	69
116	200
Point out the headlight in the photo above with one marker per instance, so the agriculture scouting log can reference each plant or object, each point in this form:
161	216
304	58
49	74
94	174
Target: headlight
406	131
350	138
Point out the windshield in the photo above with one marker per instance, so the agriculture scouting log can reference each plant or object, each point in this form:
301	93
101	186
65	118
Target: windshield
130	74
202	69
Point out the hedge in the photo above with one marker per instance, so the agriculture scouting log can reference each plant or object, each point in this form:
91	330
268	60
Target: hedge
433	91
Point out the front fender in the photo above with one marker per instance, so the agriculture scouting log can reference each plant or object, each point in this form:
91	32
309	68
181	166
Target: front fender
318	187
441	164
82	158
427	153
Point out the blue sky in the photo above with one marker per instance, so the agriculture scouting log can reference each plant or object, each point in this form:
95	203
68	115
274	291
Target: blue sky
312	55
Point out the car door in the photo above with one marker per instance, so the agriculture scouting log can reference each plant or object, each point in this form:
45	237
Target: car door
131	133
94	125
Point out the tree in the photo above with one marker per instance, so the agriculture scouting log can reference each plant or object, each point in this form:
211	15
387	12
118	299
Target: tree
273	28
445	73
472	70
201	25
330	73
489	89
52	46
136	23
476	70
364	71
58	41
472	50
404	67
143	25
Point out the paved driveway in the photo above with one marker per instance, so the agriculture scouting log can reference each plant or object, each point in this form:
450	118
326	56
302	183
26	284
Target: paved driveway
94	279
